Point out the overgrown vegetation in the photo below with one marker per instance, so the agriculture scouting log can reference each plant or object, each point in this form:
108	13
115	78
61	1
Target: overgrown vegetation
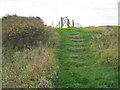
29	68
105	44
28	52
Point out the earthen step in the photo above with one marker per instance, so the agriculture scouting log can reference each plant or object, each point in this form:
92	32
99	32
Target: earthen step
76	45
76	49
77	40
80	64
74	56
65	29
73	34
75	37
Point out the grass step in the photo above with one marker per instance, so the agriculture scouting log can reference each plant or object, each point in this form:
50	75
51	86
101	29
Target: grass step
73	34
77	40
76	49
80	64
75	37
78	57
75	56
65	29
76	45
75	63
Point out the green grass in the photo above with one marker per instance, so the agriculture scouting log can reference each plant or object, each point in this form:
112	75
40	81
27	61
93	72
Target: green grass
84	71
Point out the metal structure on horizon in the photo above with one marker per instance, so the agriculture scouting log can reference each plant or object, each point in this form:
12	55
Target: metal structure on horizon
65	21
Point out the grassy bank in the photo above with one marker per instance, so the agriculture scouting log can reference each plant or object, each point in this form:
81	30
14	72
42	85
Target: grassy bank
105	44
28	53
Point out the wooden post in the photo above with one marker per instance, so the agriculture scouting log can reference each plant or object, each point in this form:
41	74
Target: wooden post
75	24
72	23
68	23
61	22
52	24
78	24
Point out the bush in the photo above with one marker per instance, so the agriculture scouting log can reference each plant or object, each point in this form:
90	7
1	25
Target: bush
25	31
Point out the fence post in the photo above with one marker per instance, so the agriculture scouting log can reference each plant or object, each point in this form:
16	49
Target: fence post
72	23
68	23
52	24
78	24
61	22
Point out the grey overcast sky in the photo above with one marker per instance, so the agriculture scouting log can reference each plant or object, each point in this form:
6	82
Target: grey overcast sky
85	12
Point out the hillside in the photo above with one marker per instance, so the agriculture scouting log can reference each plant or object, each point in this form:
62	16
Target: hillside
38	56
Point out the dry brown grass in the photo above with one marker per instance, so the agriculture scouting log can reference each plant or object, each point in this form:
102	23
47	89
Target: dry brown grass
30	69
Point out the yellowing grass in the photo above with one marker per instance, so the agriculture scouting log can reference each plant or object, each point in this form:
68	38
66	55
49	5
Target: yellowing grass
105	44
30	69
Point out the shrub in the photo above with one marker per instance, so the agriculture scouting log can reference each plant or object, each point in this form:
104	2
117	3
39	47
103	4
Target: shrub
25	31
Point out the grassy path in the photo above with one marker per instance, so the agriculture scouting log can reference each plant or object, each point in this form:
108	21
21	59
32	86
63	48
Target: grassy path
77	68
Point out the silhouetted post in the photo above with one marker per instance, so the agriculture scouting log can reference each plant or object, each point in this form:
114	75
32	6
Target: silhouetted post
68	23
61	22
52	24
75	24
78	24
72	23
